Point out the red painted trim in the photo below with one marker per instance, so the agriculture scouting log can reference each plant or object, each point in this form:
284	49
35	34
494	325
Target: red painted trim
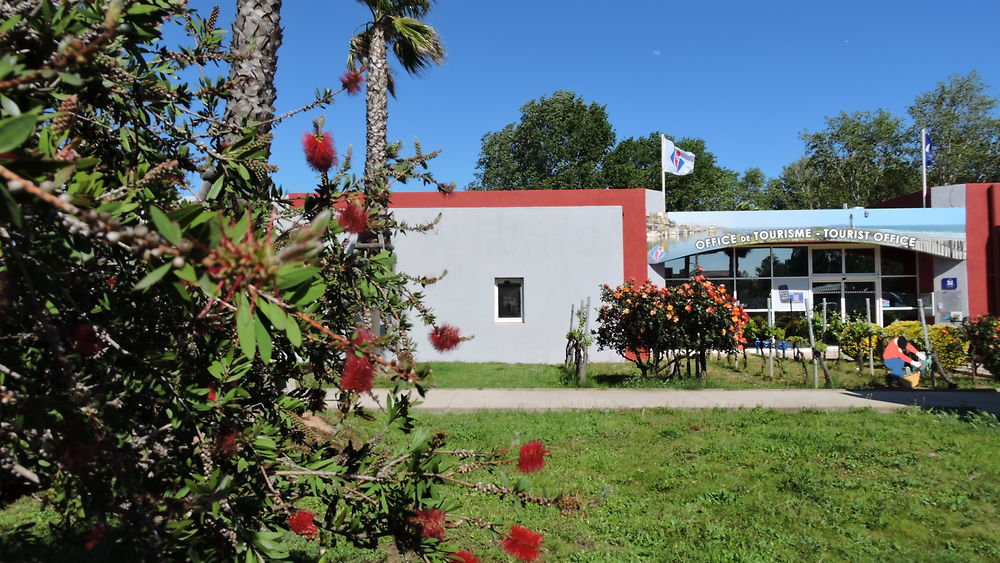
978	225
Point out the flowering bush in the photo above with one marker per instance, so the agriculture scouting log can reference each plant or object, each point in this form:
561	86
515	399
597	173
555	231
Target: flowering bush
165	360
651	325
983	334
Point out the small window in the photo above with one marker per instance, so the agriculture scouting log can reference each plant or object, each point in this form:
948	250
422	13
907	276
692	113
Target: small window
509	299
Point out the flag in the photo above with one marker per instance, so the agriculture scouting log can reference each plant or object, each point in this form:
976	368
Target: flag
928	149
675	161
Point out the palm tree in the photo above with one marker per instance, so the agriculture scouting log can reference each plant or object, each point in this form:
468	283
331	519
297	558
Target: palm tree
416	45
256	37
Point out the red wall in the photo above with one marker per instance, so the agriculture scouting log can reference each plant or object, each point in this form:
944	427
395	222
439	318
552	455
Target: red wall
982	240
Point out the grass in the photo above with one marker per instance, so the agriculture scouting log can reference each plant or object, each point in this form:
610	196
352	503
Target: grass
754	374
734	485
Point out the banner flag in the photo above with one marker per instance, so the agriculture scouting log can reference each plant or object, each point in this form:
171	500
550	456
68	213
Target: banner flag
675	161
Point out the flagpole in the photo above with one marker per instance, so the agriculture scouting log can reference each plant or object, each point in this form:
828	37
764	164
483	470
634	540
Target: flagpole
663	173
923	163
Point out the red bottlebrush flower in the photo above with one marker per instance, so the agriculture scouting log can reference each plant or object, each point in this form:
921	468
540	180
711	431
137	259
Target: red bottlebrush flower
225	445
532	457
522	543
445	337
86	341
353	218
351	81
94	537
359	374
111	282
320	153
430	521
212	393
302	524
465	556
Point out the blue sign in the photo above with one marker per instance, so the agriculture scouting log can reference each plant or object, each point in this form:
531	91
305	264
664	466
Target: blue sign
949	283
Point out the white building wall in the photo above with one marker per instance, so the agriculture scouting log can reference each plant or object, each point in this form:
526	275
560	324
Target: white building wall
563	253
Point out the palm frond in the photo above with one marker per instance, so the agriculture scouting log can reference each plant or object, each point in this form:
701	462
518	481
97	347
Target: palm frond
415	44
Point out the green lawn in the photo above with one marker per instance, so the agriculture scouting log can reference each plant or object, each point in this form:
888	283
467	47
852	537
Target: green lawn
736	485
754	374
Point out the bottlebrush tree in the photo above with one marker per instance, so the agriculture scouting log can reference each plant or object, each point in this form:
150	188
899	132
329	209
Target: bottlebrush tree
165	361
659	327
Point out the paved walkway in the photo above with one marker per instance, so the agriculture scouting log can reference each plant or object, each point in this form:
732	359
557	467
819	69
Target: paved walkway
471	400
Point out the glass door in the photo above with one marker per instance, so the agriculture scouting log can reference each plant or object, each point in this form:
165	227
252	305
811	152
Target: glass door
856	292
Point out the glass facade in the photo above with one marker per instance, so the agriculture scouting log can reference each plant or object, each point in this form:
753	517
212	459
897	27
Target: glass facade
847	280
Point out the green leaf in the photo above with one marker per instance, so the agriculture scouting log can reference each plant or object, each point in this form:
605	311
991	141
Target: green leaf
274	314
245	328
10	23
153	277
187	273
141	9
310	295
293	332
216	188
9	106
263	340
15	130
293	274
165	226
13	210
71	78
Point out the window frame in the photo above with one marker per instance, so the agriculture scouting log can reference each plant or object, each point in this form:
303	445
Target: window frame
497	282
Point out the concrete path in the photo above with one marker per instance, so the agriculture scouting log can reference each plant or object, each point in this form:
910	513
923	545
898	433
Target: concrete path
471	400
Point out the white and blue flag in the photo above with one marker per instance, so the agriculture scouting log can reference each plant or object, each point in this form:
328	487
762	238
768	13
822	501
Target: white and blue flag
675	161
928	149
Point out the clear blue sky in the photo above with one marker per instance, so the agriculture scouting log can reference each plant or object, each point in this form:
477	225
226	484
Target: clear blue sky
748	77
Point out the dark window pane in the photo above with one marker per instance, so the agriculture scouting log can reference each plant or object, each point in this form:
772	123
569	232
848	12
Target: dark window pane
753	294
509	300
793	261
860	260
717	264
898	262
827	261
678	268
899	292
753	262
855	294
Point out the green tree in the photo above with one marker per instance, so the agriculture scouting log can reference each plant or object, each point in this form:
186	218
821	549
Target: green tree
416	46
964	129
558	143
633	163
798	187
861	158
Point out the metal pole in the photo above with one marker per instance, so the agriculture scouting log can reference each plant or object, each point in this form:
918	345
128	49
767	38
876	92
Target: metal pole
927	340
770	332
871	347
824	316
812	344
663	172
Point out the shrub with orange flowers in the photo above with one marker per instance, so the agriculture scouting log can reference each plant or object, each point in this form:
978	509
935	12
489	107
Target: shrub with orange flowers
662	328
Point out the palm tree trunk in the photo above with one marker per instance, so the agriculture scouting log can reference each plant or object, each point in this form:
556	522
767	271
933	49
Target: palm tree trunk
257	35
377	115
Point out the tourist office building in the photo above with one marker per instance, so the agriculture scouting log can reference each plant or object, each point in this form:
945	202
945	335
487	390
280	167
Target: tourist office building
518	262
